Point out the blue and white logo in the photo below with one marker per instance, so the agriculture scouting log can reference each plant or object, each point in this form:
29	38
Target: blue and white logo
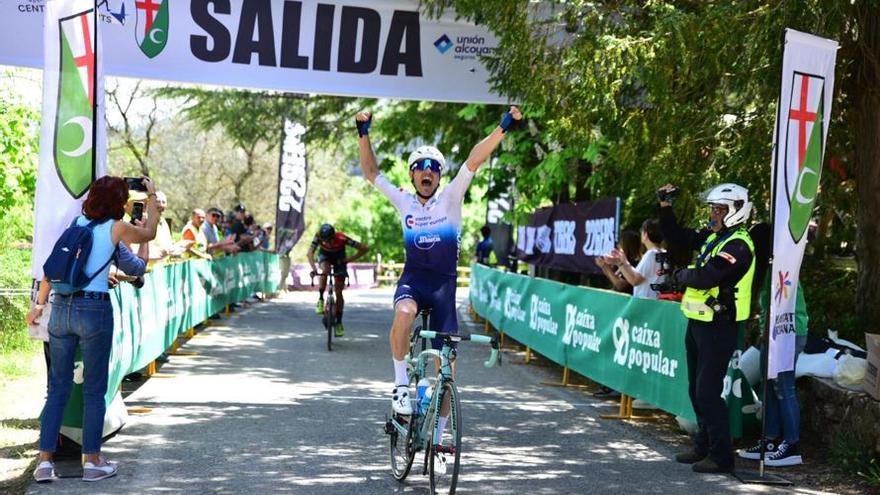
427	240
443	44
410	221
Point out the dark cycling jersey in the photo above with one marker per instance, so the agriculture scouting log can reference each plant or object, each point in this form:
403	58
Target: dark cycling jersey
334	245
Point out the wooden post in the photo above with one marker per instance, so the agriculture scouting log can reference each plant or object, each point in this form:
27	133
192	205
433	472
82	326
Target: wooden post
529	355
191	333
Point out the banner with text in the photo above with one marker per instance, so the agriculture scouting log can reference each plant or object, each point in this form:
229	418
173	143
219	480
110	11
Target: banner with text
366	48
570	236
73	133
293	174
633	345
804	112
174	298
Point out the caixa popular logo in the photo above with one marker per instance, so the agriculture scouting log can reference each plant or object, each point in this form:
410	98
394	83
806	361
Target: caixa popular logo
640	347
443	44
409	221
427	240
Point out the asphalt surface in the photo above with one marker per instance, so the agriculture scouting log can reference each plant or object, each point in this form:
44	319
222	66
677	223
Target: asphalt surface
265	408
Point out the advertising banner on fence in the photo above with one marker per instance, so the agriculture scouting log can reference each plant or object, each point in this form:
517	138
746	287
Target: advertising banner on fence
293	174
633	345
73	133
365	48
804	112
570	236
174	298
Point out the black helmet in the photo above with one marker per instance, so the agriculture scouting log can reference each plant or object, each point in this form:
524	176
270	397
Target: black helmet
326	232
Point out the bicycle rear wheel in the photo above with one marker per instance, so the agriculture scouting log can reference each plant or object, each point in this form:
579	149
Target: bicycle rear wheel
330	319
444	458
403	447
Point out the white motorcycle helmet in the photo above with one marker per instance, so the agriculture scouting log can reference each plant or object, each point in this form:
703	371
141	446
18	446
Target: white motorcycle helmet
736	198
423	152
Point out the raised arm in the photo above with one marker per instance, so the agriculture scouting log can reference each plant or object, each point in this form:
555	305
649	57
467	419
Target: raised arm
483	150
134	234
369	165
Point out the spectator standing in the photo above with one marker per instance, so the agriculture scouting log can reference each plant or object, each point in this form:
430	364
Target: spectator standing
782	440
486	247
84	320
645	273
217	244
631	247
192	231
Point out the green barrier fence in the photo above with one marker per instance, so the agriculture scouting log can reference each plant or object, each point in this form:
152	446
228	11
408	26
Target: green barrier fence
635	346
174	298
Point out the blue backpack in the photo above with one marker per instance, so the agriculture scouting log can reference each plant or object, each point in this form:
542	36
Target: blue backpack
65	268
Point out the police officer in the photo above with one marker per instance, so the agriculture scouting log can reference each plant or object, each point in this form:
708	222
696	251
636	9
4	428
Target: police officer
716	301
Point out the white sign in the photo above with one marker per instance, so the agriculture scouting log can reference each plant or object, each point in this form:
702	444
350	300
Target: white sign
804	112
372	48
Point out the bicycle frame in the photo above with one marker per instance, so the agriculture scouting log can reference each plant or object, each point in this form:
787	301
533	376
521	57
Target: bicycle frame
418	364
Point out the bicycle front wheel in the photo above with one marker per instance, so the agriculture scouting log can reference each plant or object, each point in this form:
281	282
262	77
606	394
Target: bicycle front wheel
443	464
330	318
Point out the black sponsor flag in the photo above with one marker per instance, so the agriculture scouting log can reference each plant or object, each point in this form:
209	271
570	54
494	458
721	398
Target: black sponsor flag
292	186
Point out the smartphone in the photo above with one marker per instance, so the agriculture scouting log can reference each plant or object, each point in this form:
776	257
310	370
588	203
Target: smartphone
135	183
137	211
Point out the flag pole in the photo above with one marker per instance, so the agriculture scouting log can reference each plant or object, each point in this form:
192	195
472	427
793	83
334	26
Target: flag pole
743	476
95	93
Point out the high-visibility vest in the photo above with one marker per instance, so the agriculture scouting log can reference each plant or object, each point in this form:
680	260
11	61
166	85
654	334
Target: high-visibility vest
694	303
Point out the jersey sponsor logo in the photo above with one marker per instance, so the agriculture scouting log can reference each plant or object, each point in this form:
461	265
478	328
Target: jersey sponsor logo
410	221
427	240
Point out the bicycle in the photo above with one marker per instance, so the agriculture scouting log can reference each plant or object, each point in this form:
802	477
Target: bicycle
411	434
328	319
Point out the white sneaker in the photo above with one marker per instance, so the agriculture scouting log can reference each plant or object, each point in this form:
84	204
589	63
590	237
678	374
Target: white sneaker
400	402
102	470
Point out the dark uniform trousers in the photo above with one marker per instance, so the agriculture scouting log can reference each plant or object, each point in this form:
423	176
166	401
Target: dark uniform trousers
709	347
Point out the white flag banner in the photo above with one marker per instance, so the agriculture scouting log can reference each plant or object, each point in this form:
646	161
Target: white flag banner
804	112
372	48
71	126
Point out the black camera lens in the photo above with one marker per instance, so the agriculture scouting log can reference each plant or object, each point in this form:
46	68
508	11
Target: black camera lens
138	282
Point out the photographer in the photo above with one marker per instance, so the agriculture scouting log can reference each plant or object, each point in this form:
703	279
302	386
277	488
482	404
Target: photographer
717	298
83	319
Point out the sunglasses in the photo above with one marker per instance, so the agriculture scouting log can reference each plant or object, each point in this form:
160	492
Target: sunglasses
718	209
426	164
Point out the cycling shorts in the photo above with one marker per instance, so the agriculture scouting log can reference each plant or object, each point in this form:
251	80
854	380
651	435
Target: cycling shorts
434	291
336	260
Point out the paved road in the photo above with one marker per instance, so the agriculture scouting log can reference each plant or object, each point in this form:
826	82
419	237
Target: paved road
264	408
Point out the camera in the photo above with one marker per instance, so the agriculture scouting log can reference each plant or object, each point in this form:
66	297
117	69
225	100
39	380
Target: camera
135	184
138	282
667	196
671	289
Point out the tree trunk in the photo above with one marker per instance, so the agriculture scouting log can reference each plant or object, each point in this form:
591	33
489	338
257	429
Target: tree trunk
866	107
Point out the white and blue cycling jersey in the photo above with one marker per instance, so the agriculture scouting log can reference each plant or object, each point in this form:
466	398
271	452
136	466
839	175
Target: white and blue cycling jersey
431	232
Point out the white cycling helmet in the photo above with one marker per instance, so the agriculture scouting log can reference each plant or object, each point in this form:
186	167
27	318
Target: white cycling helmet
736	198
429	152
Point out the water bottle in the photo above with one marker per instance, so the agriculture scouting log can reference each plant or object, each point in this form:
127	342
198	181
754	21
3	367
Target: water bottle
421	391
425	403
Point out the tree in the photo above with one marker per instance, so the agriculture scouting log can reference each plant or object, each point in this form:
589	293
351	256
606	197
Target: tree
137	139
685	92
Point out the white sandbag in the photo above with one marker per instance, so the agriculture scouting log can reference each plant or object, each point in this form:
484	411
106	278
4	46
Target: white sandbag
750	365
819	365
850	372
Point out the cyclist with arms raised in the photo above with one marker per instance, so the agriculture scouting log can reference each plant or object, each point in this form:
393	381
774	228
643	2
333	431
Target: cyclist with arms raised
431	231
331	245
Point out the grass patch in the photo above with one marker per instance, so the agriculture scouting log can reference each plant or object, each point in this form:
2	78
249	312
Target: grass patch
854	456
19	363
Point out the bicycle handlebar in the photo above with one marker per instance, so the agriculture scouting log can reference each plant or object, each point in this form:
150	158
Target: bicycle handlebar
482	339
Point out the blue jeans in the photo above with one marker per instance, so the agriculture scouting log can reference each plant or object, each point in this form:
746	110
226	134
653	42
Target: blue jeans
783	409
87	323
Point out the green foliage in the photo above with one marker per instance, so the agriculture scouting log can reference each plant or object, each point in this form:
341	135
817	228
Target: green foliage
855	456
19	131
828	293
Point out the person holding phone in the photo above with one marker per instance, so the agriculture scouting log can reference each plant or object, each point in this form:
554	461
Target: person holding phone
84	320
